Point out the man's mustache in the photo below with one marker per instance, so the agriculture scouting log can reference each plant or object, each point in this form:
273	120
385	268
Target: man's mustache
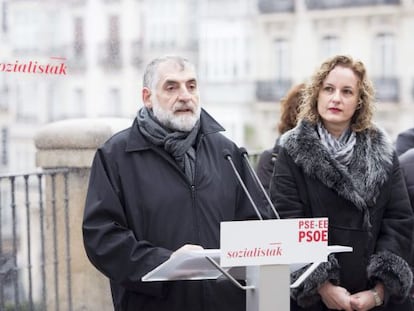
184	106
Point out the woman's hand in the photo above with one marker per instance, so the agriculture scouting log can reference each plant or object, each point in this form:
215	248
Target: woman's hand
363	301
335	297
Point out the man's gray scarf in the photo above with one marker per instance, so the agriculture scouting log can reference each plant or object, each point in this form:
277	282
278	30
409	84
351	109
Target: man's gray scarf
178	144
340	149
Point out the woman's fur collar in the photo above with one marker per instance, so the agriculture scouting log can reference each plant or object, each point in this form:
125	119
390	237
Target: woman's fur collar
368	170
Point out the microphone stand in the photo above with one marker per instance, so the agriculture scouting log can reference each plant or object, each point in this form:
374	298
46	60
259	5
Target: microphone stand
257	180
228	157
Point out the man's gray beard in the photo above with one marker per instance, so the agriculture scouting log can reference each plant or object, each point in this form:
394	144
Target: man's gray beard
182	123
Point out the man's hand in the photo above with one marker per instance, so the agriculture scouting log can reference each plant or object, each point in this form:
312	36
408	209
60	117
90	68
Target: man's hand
335	297
187	248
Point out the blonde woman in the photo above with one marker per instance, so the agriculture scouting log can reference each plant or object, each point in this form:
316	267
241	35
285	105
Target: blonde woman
336	163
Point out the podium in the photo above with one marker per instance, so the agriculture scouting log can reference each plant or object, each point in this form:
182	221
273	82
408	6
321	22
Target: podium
260	253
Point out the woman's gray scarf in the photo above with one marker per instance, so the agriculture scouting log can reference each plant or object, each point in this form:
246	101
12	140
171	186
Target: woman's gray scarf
178	144
340	149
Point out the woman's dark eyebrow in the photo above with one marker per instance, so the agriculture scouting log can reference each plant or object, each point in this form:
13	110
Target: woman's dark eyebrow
345	87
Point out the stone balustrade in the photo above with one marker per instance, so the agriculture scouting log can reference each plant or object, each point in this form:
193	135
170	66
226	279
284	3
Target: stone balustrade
72	144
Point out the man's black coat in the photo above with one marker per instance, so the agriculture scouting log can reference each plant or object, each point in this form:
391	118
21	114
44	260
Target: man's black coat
141	207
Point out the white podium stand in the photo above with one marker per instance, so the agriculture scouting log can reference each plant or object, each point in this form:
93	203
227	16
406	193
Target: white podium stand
260	253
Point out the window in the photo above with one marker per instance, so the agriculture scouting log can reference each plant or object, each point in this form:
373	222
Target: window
26	101
113	36
384	55
4	24
329	46
282	60
113	104
4	146
386	82
78	105
79	42
223	51
4	94
163	28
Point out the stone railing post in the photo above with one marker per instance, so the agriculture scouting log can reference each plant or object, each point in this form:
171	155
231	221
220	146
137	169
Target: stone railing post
72	144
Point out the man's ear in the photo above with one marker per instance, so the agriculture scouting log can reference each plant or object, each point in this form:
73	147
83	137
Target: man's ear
146	97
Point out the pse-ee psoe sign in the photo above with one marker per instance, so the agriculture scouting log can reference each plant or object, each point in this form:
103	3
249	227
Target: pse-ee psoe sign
269	242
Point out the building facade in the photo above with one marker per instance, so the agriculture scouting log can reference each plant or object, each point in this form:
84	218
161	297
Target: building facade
294	37
248	53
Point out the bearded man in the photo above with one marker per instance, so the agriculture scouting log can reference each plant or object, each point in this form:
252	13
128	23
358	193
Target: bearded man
163	186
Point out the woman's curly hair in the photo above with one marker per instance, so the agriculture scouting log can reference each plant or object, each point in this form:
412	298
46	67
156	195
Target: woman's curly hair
289	107
362	118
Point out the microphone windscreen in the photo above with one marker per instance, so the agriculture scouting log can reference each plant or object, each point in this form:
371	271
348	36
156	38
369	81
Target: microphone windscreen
226	153
243	151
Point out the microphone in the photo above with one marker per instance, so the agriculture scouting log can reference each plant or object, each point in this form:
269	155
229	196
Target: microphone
227	156
245	156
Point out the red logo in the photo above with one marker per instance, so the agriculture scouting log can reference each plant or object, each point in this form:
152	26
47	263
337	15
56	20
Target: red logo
274	250
56	68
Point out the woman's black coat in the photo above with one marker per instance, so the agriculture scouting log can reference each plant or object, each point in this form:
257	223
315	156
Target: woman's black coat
141	207
265	165
367	206
405	141
407	164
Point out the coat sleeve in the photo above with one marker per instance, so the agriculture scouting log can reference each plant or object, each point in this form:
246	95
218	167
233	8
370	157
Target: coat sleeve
394	243
264	168
110	245
284	189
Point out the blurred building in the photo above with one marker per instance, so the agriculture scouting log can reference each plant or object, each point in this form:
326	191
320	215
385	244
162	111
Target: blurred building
294	37
248	54
93	47
227	58
4	90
